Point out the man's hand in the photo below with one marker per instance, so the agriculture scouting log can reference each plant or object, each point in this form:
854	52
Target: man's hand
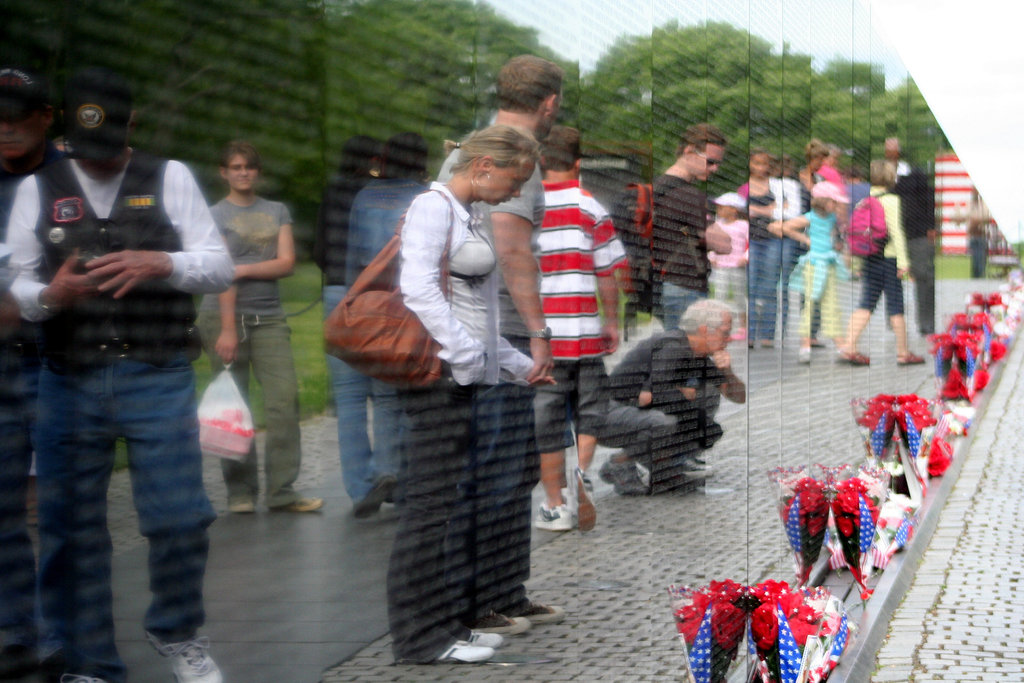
540	351
610	336
722	360
69	285
646	399
121	271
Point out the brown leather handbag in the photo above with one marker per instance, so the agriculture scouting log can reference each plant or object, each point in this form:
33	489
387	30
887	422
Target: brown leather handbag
374	332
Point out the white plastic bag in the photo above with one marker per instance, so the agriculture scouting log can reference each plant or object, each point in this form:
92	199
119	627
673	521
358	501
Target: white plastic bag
225	422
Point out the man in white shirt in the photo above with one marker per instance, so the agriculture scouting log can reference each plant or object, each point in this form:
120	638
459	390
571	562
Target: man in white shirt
110	245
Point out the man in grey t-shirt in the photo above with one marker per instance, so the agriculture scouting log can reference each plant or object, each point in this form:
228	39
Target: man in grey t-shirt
499	483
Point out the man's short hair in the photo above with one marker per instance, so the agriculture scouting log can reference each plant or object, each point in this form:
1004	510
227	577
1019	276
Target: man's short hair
709	313
699	136
241	148
561	149
526	81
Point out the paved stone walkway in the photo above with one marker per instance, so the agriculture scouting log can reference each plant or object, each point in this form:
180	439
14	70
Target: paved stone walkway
963	618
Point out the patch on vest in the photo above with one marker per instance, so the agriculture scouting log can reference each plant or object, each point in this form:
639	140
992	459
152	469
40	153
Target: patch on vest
141	201
56	235
68	210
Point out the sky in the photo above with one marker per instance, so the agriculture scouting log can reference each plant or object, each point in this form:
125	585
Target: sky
962	54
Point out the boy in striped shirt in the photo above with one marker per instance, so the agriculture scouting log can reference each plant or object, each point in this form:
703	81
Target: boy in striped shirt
579	254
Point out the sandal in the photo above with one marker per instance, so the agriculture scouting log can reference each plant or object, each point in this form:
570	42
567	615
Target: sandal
909	359
854	358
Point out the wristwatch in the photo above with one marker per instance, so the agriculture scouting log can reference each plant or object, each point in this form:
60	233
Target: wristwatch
540	334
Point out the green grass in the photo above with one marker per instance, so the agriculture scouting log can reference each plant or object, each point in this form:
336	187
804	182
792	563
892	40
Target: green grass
297	292
950	267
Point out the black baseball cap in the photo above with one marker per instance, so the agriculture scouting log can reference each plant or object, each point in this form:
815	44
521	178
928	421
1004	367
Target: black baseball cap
97	112
22	91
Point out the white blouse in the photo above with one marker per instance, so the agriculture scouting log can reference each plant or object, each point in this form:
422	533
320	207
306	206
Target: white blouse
467	327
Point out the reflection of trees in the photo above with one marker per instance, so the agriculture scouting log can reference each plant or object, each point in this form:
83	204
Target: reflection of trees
652	87
299	77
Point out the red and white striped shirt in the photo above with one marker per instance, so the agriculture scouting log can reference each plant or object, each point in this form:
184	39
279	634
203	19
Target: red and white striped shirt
577	245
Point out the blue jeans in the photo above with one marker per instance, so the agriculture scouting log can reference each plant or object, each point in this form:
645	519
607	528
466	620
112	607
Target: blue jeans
763	278
674	302
84	411
18	381
978	248
362	465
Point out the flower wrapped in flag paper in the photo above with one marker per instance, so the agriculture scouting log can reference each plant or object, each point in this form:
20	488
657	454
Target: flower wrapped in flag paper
979	324
940	456
960	371
710	621
855	507
790	634
915	425
896	523
874	416
804	512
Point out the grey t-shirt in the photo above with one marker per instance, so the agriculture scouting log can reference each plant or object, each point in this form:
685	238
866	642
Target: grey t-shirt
529	205
251	233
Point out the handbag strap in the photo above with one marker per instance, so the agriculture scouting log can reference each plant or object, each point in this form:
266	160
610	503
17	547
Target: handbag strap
445	280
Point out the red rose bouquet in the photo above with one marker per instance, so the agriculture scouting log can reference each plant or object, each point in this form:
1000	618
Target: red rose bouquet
960	368
877	422
855	508
804	512
710	621
795	633
915	426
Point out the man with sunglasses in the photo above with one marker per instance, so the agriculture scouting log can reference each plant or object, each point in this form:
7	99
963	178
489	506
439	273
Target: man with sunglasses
683	229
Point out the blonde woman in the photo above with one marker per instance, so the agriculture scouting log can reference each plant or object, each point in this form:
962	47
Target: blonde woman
461	315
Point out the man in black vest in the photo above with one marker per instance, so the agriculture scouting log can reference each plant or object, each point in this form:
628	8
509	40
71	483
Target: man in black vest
25	116
110	245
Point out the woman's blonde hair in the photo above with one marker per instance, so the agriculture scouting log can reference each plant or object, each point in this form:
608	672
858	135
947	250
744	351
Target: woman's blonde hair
508	146
883	173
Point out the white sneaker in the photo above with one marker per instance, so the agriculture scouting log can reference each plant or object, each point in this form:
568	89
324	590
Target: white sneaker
557	519
463	652
491	640
803	355
190	659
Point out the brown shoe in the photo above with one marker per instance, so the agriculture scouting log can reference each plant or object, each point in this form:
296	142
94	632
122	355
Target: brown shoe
492	622
300	505
542	614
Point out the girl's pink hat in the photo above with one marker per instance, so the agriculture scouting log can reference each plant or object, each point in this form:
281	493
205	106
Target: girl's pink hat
829	190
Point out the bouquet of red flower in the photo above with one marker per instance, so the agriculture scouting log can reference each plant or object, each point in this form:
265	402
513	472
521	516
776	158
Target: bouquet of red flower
855	507
980	322
877	422
790	635
915	426
804	512
960	370
710	621
940	455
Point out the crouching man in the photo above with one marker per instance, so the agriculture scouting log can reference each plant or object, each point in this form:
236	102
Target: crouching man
665	393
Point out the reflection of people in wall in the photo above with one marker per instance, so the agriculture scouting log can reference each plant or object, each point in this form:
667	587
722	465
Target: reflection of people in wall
978	219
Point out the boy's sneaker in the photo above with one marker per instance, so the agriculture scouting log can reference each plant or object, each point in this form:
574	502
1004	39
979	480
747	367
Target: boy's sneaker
542	614
492	622
586	514
557	519
190	659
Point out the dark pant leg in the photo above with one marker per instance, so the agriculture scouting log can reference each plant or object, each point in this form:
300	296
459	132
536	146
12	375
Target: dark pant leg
922	267
421	606
17	562
490	553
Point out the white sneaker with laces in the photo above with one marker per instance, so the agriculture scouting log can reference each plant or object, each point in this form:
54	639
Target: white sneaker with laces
491	640
555	519
190	659
465	653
